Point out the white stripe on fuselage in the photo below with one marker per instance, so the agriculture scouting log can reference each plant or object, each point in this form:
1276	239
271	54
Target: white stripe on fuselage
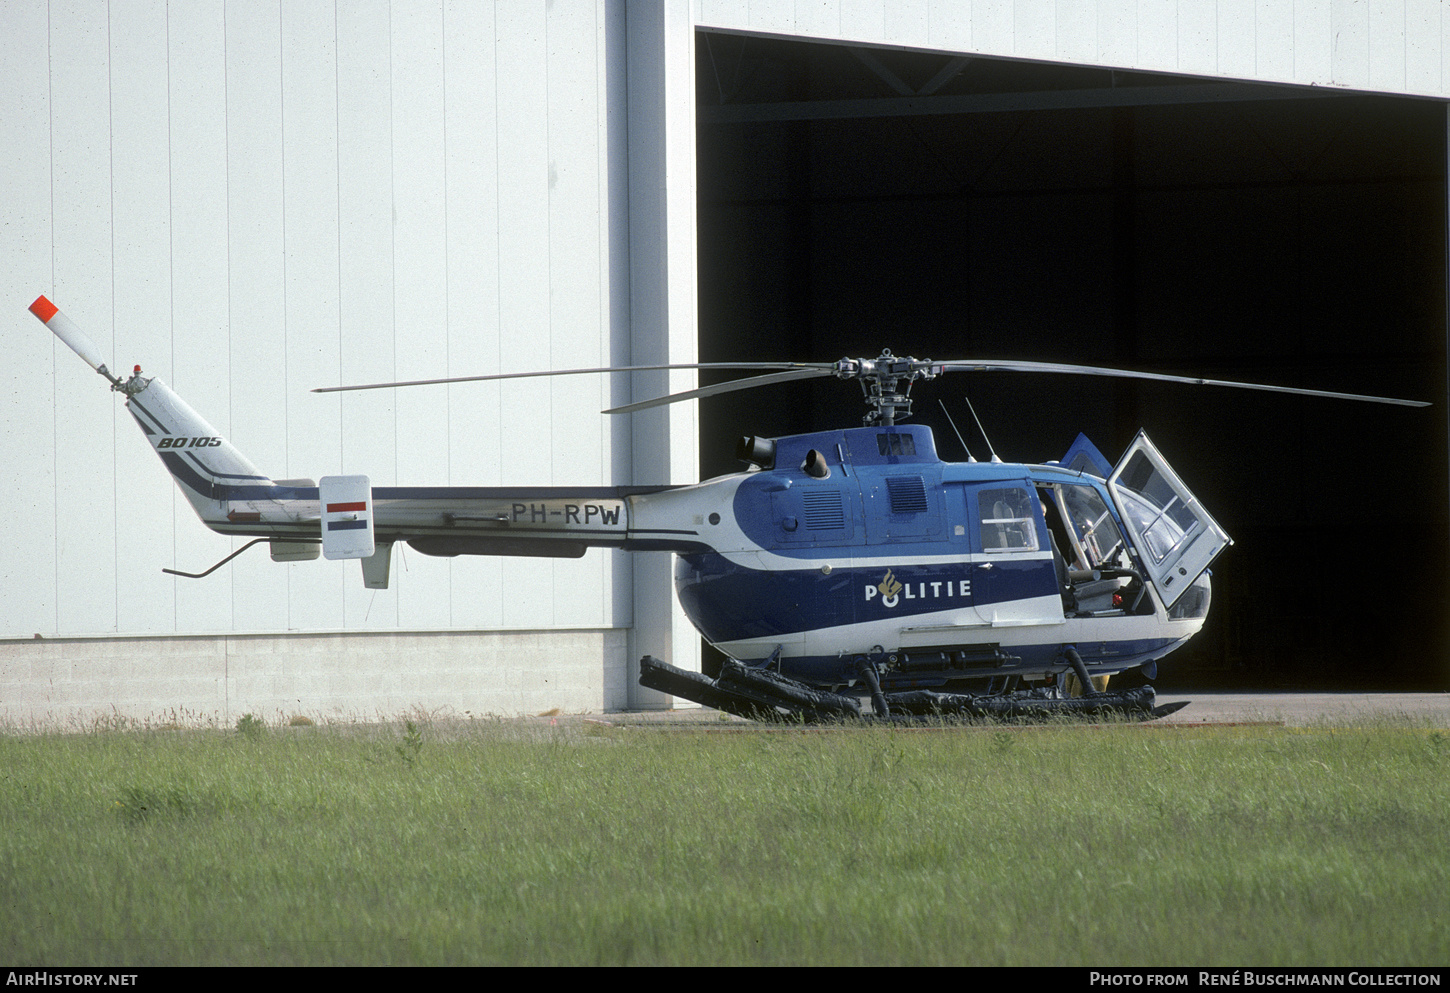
874	556
965	626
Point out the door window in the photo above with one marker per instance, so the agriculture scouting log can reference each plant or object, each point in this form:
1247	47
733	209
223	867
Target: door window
1175	535
1009	523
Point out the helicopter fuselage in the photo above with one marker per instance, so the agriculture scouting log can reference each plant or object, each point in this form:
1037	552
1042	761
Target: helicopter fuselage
937	572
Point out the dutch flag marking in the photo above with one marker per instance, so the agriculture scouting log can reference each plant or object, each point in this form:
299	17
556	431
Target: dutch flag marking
347	524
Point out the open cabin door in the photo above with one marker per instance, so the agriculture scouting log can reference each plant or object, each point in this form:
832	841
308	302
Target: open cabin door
1176	538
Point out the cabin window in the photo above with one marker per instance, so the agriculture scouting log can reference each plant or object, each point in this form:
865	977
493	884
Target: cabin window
1007	519
896	444
1092	525
1161	515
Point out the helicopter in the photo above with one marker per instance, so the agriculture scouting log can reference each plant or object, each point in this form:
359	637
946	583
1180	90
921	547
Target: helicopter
840	565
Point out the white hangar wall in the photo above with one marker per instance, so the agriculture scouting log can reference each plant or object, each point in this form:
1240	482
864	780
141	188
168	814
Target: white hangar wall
1390	46
252	199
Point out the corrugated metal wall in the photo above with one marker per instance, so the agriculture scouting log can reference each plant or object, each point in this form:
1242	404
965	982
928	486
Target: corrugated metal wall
1395	46
252	199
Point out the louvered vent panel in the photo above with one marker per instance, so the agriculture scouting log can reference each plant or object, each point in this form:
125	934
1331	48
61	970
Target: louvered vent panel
908	494
823	510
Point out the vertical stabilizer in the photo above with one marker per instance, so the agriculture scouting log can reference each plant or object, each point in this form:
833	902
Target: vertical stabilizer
220	482
207	467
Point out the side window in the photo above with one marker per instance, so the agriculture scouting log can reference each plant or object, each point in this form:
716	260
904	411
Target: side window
896	444
1093	526
1008	521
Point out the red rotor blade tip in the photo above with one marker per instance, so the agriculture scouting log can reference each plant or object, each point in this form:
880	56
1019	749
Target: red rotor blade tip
43	309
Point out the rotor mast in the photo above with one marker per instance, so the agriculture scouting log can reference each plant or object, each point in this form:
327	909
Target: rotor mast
886	384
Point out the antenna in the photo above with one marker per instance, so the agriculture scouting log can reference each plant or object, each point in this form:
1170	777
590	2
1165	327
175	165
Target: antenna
980	428
970	456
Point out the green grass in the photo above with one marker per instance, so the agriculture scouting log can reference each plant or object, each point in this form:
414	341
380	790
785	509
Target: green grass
498	843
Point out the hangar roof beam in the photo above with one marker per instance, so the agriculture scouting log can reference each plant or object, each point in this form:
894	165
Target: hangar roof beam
947	72
990	103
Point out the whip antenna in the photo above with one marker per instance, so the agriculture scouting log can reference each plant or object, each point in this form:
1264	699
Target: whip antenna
980	428
970	456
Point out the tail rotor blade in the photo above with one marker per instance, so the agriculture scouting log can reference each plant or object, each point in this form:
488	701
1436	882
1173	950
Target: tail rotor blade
75	339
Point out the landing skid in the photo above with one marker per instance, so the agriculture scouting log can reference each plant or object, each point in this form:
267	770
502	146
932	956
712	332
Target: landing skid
759	695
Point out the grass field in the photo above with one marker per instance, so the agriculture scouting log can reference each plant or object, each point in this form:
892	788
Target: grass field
504	843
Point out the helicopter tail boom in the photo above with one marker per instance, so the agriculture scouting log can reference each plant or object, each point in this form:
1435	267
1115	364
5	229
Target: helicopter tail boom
231	496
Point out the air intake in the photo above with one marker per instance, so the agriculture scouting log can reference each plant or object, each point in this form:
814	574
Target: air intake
823	510
908	494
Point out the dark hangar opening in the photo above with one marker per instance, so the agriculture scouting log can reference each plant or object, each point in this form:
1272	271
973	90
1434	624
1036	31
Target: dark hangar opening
946	206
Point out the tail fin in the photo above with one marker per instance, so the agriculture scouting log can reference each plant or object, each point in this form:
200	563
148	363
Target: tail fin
207	467
210	472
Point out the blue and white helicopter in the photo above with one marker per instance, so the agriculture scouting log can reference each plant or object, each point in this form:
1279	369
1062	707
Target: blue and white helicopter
842	564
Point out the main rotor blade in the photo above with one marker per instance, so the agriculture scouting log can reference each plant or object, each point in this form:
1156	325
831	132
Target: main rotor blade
1011	365
575	372
749	382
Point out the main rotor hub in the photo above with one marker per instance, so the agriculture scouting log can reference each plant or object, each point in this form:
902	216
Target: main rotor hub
887	396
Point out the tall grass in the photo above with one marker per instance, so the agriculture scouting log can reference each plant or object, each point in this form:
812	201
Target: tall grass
481	842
